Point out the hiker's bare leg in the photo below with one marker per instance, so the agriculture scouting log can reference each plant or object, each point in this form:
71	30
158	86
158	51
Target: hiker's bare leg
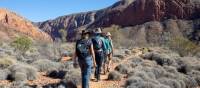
105	64
109	62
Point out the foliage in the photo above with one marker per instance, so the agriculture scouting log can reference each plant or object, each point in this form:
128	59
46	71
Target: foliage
23	72
22	44
63	34
184	46
118	36
114	75
6	62
4	74
46	65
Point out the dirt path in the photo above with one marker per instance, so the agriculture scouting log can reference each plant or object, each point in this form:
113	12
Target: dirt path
104	83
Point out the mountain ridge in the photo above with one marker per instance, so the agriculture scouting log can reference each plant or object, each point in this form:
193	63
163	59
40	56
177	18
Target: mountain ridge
12	21
123	13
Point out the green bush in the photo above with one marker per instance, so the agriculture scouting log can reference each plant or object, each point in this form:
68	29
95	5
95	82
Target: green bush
184	46
63	34
22	44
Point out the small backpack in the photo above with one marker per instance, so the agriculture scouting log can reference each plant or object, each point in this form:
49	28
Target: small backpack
82	48
97	43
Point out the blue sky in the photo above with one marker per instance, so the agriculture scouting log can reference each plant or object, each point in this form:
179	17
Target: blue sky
41	10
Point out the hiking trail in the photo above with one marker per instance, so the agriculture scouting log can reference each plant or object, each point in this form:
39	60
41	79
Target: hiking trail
104	83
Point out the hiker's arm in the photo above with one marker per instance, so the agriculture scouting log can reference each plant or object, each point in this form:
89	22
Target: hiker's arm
112	47
93	55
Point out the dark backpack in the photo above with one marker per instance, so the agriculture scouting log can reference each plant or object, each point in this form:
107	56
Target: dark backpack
97	43
83	48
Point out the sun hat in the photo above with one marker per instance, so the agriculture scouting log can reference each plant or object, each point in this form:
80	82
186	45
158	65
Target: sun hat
85	32
108	34
98	31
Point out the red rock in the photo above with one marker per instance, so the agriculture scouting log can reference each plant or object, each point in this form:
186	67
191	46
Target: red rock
13	22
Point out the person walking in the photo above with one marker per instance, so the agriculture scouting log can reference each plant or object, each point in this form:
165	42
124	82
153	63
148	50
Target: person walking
109	52
86	57
99	47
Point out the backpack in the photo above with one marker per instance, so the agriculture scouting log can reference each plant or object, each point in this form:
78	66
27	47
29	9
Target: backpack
97	43
82	48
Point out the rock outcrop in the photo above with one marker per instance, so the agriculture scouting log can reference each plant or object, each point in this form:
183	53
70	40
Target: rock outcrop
13	24
124	13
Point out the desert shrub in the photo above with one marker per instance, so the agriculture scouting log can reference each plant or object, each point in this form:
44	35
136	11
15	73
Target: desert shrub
143	85
135	61
146	76
29	71
4	74
196	75
170	69
148	63
22	44
67	65
158	71
6	62
163	59
133	80
184	46
114	75
183	66
123	68
19	84
56	74
45	65
63	34
121	37
147	55
170	82
20	76
190	82
72	78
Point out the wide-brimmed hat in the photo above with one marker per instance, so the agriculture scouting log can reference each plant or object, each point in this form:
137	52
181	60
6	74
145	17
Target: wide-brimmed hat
98	31
85	32
108	34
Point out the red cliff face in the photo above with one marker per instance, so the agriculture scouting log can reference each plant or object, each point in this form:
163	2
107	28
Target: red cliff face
124	13
141	11
13	22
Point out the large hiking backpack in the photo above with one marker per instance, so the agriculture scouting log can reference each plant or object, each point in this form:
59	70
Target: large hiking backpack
97	43
82	48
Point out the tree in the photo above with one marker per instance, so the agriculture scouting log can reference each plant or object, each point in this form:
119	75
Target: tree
63	34
22	44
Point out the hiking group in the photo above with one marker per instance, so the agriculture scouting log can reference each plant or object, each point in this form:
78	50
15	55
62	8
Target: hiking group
93	50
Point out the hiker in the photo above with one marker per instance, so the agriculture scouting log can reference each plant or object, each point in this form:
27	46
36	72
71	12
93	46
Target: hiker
98	42
108	52
86	57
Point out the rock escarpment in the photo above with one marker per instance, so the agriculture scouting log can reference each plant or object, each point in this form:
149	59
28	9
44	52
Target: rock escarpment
123	13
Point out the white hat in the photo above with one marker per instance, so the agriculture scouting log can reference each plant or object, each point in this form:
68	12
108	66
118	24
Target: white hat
108	34
98	30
